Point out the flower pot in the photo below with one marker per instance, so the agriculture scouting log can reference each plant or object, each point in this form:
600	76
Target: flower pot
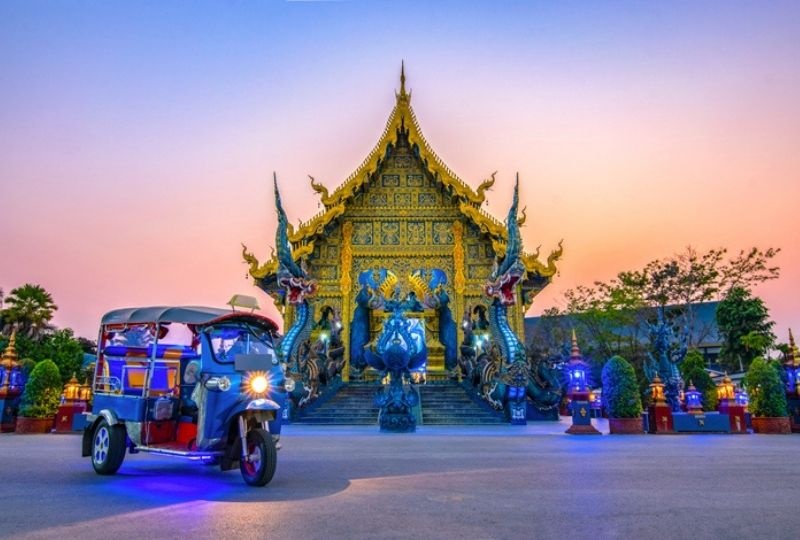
772	424
625	426
34	425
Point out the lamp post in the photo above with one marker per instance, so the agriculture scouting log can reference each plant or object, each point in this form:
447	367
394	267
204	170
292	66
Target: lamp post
728	404
578	392
660	419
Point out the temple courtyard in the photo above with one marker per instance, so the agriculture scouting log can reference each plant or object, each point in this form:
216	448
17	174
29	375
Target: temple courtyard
440	482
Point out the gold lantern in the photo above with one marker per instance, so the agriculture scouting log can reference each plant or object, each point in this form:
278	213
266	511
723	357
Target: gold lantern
657	390
725	390
71	389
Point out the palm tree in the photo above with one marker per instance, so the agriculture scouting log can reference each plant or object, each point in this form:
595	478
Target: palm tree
30	308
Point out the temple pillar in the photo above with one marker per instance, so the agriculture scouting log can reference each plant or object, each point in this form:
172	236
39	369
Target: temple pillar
346	288
459	280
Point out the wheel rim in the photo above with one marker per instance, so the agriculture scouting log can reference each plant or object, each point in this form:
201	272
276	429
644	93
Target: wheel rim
101	443
253	464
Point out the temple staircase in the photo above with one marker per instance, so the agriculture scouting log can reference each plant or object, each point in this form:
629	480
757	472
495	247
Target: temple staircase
350	405
442	404
451	404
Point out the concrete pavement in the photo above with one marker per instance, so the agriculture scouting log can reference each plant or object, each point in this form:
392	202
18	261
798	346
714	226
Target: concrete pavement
441	482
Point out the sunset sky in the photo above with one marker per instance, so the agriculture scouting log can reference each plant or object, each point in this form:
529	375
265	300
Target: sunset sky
138	139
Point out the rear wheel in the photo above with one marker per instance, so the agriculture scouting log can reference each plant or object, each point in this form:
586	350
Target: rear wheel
108	447
259	468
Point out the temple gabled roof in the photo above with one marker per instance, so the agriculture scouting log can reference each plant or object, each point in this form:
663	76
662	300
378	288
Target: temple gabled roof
403	120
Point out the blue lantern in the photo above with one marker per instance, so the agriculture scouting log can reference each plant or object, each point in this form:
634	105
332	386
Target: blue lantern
577	378
797	379
741	397
693	399
791	377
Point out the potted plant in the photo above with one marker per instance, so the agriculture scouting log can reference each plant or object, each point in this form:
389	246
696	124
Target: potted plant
621	397
767	398
40	399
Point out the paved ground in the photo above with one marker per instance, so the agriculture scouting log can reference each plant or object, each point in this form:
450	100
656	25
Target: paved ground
442	482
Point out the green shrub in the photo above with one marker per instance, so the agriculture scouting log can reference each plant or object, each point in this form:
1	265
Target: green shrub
620	389
767	394
42	393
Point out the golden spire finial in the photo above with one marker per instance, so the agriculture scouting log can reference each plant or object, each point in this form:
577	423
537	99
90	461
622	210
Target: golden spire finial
794	354
10	354
576	351
403	95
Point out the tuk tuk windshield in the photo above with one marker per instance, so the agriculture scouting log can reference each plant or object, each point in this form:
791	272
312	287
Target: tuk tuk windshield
229	340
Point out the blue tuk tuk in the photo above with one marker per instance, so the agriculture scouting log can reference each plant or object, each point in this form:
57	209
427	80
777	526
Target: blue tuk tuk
195	382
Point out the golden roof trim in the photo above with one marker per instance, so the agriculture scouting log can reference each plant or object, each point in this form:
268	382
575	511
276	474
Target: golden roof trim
435	165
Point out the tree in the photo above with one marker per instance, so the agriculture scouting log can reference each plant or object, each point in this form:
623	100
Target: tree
65	351
767	394
88	346
693	371
30	308
615	314
744	325
550	336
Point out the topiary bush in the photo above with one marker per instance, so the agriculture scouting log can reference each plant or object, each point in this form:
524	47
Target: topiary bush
767	394
621	389
42	393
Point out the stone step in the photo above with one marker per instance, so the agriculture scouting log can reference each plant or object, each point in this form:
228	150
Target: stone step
442	404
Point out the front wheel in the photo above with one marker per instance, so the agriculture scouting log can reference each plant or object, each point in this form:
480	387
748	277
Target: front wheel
259	468
108	447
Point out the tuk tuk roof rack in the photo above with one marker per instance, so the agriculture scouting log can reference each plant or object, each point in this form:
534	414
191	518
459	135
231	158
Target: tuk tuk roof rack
179	314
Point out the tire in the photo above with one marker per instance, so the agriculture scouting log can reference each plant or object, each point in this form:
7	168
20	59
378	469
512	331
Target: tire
261	449
108	447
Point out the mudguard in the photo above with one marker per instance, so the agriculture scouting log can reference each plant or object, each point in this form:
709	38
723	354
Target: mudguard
262	409
88	431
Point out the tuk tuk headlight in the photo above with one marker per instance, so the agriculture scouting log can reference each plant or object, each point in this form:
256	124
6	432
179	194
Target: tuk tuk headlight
289	384
256	384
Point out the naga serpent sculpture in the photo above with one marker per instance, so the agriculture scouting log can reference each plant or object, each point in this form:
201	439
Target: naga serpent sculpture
298	289
664	358
506	376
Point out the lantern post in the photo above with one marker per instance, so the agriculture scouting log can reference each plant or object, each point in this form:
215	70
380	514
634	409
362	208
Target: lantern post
660	419
578	392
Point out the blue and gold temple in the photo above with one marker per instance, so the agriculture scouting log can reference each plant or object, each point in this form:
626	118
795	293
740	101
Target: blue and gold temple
404	234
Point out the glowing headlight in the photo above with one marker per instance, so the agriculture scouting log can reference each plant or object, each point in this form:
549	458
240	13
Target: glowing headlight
258	384
289	385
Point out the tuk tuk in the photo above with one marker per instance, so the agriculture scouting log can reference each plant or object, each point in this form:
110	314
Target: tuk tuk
194	382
